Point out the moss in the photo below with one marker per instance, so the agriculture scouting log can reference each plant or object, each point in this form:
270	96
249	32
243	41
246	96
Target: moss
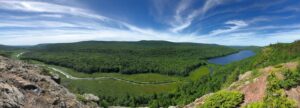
224	99
255	105
80	98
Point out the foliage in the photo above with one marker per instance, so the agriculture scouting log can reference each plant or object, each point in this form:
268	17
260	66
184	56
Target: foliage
80	98
275	94
255	105
104	104
6	53
270	55
223	99
292	79
171	59
45	71
128	57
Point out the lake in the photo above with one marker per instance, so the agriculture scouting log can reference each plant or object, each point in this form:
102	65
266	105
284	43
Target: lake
232	57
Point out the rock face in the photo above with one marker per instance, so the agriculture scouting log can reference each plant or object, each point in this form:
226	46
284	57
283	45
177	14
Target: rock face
22	86
198	102
294	93
11	97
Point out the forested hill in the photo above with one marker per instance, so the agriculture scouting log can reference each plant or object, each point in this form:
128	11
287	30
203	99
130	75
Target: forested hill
7	50
269	79
128	57
267	56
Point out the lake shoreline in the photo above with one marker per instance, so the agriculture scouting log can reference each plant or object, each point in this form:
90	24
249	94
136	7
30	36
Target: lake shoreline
240	55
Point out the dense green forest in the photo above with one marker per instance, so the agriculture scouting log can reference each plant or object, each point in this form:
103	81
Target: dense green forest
128	57
223	76
7	51
224	99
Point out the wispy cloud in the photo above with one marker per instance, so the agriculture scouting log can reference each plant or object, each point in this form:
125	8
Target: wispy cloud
45	7
233	25
36	24
54	23
183	21
289	9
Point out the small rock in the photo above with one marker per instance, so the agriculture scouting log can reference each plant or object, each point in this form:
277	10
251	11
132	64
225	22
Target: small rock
56	78
91	97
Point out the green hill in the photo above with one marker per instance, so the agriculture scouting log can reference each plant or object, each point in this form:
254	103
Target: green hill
271	80
128	57
224	76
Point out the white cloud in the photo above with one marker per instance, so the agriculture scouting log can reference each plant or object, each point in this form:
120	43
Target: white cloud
52	15
182	22
211	4
233	26
45	7
40	24
183	5
272	27
107	29
29	37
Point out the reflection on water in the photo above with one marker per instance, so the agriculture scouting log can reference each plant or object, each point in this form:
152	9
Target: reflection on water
231	58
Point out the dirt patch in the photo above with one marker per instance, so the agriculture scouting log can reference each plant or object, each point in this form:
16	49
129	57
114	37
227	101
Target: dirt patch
255	91
294	93
245	75
198	102
268	69
291	65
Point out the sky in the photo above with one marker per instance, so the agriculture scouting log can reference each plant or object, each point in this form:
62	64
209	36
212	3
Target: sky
224	22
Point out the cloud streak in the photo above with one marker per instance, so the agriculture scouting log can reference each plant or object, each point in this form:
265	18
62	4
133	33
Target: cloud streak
182	22
44	7
233	26
46	22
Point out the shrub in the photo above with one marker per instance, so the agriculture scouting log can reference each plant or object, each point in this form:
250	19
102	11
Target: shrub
224	99
80	98
255	105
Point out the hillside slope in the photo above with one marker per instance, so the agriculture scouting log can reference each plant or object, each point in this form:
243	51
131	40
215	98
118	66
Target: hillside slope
23	86
268	86
128	57
270	79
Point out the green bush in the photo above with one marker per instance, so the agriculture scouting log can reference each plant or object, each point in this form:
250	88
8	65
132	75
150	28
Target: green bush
291	79
276	97
255	105
224	99
80	98
45	71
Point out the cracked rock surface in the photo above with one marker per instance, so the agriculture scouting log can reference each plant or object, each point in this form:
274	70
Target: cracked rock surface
22	86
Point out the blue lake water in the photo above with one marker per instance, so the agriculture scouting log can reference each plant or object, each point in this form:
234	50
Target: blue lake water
232	57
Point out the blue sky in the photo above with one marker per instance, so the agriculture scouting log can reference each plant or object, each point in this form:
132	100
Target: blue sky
225	22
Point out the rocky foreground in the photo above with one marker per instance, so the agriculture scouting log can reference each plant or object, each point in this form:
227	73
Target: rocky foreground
23	86
254	87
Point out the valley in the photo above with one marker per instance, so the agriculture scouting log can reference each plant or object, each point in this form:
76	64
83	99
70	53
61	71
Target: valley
114	86
141	89
149	54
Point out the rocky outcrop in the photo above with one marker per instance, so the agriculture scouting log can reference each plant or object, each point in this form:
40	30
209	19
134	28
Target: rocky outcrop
198	101
91	97
254	87
294	93
22	86
11	97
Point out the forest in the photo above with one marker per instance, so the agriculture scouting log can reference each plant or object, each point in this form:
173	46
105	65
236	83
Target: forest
221	77
128	57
